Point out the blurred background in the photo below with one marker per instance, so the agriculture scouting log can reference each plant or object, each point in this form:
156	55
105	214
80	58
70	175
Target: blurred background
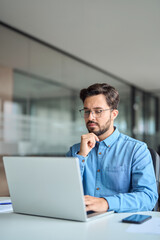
49	50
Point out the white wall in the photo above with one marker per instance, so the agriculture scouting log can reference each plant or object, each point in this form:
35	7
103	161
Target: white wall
121	37
19	52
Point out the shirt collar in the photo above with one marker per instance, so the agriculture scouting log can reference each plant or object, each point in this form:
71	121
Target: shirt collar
112	138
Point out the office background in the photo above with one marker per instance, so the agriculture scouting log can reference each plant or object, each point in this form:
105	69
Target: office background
49	50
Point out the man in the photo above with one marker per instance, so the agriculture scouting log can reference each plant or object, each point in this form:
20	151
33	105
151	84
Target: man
117	170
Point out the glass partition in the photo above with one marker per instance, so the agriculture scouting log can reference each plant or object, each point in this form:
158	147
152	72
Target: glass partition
138	108
39	101
151	135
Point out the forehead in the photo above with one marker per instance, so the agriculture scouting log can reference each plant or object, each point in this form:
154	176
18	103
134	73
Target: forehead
96	101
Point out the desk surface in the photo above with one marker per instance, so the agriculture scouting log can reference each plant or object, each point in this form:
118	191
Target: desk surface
23	227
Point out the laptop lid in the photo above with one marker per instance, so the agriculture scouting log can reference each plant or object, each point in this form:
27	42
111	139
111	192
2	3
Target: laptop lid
46	186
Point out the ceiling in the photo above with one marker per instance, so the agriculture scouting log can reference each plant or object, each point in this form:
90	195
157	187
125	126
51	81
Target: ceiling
120	37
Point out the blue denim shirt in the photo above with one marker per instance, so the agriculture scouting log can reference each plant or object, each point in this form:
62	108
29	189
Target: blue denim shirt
119	169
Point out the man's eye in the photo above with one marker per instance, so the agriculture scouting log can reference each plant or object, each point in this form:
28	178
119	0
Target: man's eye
98	111
87	112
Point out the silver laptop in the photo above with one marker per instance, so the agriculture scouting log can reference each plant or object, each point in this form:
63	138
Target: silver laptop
47	186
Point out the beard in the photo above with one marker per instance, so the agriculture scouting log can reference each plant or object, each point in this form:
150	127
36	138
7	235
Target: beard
102	129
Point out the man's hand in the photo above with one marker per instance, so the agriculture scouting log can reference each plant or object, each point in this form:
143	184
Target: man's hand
95	204
88	142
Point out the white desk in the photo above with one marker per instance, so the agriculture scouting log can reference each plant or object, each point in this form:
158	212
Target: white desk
22	227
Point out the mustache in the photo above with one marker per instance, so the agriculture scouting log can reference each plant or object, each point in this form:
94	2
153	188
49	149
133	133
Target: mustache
91	122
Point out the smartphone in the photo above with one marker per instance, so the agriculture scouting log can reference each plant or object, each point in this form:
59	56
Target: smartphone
136	218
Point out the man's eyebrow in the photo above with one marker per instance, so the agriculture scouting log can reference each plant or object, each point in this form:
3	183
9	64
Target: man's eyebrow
93	108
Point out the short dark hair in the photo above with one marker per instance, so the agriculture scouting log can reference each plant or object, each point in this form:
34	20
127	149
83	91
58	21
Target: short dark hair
111	94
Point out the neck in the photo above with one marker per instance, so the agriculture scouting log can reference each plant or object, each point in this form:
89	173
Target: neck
106	134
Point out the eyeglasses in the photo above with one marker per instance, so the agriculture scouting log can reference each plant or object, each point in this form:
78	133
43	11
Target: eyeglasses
85	113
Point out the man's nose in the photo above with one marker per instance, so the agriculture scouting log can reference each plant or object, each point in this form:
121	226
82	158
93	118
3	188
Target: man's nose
91	115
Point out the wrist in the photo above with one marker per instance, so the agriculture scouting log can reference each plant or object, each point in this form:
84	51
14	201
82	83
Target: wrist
106	204
82	154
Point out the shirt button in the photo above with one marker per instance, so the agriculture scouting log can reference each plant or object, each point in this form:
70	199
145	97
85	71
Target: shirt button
98	170
97	188
83	160
100	153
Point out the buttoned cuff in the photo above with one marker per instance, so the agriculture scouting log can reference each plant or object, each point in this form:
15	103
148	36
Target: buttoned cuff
113	202
82	160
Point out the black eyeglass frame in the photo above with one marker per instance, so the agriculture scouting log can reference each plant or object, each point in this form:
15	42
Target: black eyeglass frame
100	111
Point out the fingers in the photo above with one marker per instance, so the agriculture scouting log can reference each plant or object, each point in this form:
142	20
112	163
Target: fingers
90	208
97	139
91	144
88	199
89	137
88	142
95	204
88	202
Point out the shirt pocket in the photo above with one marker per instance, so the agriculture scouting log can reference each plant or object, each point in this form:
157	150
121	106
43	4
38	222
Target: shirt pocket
116	178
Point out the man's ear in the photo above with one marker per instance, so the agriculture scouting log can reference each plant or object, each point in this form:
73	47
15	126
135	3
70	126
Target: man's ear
114	114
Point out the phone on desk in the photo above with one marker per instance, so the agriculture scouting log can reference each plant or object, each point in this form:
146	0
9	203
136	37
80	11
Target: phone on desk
136	218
